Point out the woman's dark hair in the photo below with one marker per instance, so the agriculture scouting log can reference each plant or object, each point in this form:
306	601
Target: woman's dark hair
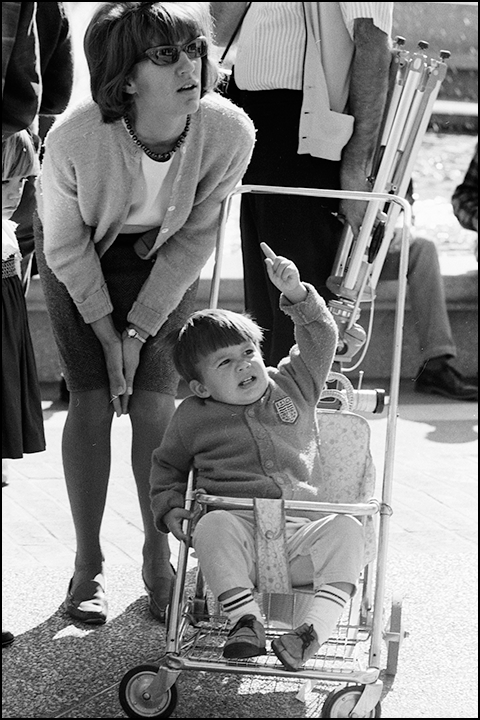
121	31
207	331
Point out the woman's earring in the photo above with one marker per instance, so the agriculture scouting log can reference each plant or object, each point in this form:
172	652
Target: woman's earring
129	86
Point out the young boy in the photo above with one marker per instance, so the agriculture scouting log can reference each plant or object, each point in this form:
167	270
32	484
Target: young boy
250	431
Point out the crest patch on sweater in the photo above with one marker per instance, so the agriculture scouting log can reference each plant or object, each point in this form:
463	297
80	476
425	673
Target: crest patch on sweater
286	410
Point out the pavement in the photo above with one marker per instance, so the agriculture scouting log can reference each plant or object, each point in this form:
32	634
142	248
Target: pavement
59	668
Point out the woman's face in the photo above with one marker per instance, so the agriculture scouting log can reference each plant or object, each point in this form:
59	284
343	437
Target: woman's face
173	90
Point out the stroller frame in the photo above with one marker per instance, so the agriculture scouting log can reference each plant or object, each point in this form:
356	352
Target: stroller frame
150	691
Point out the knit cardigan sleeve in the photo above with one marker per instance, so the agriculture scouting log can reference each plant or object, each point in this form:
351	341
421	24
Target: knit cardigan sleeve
310	360
171	463
84	193
180	260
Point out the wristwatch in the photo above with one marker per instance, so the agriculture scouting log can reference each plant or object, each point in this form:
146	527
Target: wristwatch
132	333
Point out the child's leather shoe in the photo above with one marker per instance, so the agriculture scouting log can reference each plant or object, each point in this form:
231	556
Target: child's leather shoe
293	649
246	639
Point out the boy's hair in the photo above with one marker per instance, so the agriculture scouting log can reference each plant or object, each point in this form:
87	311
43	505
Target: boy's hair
207	331
19	158
119	32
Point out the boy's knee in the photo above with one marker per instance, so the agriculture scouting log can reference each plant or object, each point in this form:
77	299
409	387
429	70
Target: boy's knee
214	525
350	529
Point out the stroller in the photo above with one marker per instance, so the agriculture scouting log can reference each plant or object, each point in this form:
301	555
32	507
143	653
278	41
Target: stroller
196	629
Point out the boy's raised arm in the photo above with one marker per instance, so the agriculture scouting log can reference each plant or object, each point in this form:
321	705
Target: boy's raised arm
284	274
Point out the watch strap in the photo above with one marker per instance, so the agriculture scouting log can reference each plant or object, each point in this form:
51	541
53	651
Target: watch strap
135	335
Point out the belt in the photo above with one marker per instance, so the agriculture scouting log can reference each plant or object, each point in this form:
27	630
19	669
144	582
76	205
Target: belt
8	267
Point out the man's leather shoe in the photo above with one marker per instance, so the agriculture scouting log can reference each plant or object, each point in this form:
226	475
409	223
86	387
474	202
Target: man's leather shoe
88	604
438	377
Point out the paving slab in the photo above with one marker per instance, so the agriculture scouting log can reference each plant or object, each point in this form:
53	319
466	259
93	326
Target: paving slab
60	668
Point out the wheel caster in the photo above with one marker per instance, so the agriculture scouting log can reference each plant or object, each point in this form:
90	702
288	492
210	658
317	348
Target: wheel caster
135	699
394	636
200	609
340	703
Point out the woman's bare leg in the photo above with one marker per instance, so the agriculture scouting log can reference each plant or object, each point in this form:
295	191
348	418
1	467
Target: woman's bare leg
86	462
150	413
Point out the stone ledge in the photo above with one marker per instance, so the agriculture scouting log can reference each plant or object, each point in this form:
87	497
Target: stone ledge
462	300
461	291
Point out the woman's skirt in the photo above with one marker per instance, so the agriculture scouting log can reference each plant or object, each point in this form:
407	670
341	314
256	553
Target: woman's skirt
22	419
81	353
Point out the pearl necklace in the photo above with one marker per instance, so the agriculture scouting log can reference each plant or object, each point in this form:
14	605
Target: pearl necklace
158	157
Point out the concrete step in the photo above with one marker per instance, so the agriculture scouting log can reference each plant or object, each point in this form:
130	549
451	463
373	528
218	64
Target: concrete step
461	290
460	276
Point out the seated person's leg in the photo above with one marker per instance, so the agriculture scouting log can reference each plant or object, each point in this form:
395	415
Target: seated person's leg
426	292
437	375
331	558
226	553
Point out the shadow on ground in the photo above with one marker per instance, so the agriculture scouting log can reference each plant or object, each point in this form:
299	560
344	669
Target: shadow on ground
63	669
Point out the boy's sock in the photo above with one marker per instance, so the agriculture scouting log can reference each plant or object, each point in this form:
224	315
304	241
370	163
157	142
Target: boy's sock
326	610
240	604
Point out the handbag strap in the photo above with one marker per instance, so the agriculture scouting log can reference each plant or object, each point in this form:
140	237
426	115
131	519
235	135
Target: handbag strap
235	33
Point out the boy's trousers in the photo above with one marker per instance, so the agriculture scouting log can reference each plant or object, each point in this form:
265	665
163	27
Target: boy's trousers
325	551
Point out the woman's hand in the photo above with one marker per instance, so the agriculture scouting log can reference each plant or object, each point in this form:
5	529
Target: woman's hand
111	342
132	348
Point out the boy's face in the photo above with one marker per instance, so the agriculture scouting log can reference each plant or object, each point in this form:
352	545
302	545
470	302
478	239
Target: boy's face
235	375
12	190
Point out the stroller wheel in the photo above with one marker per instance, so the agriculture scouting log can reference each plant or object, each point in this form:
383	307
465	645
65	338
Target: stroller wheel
137	701
395	636
341	703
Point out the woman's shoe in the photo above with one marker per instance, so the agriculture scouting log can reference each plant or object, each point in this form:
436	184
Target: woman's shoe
7	638
158	605
89	604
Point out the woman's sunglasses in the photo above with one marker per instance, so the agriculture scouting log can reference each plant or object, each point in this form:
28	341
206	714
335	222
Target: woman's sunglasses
170	54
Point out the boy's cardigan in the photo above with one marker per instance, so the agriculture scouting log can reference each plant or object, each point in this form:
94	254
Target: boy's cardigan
265	449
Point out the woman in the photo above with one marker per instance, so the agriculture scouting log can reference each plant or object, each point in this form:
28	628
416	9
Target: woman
22	419
129	200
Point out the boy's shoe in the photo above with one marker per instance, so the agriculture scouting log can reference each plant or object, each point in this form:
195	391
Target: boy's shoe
246	639
296	647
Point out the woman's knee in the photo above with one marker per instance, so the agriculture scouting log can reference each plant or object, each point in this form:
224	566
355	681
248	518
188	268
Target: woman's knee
147	406
91	407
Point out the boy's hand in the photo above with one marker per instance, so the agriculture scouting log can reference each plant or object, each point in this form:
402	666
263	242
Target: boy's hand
174	521
284	275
